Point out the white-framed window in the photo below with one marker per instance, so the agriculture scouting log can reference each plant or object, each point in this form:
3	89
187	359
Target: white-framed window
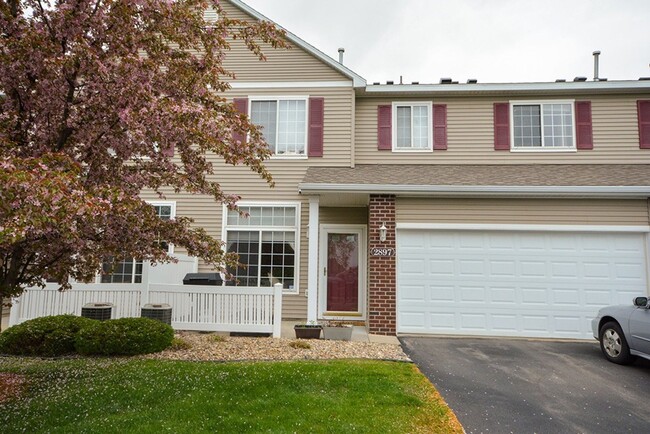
267	241
284	124
129	270
542	125
412	126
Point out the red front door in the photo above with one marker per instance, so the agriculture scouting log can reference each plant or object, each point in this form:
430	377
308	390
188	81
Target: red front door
343	272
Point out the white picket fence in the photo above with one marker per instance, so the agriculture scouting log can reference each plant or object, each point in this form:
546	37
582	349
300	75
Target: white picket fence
204	308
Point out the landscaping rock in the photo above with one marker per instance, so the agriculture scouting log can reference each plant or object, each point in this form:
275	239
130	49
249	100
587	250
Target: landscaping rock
205	347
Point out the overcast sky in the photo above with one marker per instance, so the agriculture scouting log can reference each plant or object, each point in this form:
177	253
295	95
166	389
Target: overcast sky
490	40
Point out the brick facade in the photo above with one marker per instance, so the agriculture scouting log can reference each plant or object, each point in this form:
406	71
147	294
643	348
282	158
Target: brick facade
382	308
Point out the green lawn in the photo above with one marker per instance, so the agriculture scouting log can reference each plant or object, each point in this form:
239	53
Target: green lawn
122	395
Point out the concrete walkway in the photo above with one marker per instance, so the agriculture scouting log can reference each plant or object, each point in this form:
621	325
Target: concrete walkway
359	334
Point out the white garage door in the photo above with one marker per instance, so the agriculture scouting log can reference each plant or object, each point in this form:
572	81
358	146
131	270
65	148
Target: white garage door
509	283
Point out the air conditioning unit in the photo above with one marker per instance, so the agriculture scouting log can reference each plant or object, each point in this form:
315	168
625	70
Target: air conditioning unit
98	311
161	312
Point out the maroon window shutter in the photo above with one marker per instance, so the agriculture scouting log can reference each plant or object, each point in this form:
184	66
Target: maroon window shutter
316	121
584	134
643	111
384	127
501	126
440	127
241	104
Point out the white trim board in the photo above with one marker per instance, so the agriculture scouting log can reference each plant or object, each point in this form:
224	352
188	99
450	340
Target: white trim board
477	88
522	227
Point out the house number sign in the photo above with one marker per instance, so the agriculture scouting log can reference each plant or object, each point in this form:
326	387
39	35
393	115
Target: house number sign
381	251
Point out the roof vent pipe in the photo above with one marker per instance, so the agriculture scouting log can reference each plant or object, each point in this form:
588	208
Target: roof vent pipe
341	51
596	54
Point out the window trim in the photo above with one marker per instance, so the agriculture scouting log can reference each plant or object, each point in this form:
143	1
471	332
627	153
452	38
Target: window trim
274	156
541	103
429	106
172	203
297	228
170	250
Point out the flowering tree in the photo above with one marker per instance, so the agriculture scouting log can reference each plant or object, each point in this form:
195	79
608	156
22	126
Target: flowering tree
99	100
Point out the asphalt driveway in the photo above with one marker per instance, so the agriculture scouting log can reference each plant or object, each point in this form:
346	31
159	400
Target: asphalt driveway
501	385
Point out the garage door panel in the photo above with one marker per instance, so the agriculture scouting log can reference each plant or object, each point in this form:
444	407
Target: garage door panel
502	268
629	272
514	283
416	293
502	295
413	267
442	293
471	268
442	267
472	294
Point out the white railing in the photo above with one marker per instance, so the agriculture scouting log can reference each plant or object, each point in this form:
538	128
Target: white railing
37	302
205	308
229	308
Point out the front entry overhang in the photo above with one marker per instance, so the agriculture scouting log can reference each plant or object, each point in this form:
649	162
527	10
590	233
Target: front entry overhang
611	181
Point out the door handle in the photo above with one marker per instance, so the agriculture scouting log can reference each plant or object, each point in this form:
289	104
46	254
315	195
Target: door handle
324	271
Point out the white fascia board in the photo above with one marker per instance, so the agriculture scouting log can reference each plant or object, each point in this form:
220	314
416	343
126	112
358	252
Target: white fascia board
514	87
358	80
480	190
520	227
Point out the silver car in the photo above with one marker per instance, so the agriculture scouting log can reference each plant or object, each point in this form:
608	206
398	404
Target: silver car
624	331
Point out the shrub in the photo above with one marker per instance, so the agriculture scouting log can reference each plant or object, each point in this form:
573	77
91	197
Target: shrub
179	344
217	338
46	336
124	336
302	345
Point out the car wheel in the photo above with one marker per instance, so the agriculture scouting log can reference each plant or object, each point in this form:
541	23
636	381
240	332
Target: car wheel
613	344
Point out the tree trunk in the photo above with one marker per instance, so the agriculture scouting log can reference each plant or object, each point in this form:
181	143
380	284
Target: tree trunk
2	311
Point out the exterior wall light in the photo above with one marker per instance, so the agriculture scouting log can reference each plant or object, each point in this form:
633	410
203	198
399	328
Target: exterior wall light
382	232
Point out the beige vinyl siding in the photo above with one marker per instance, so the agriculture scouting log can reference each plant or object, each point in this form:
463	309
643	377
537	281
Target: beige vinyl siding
471	135
337	129
523	211
294	64
287	174
343	216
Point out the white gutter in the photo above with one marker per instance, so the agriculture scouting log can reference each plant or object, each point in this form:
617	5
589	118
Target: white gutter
478	190
512	87
358	80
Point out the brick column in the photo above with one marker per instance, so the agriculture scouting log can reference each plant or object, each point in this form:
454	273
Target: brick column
381	269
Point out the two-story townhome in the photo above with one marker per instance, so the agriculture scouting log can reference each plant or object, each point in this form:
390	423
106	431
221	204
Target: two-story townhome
514	209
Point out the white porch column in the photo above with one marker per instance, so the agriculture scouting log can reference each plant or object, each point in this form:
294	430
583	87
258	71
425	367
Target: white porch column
312	282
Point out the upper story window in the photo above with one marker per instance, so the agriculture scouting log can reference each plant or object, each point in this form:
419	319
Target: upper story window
284	124
413	127
545	125
267	244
